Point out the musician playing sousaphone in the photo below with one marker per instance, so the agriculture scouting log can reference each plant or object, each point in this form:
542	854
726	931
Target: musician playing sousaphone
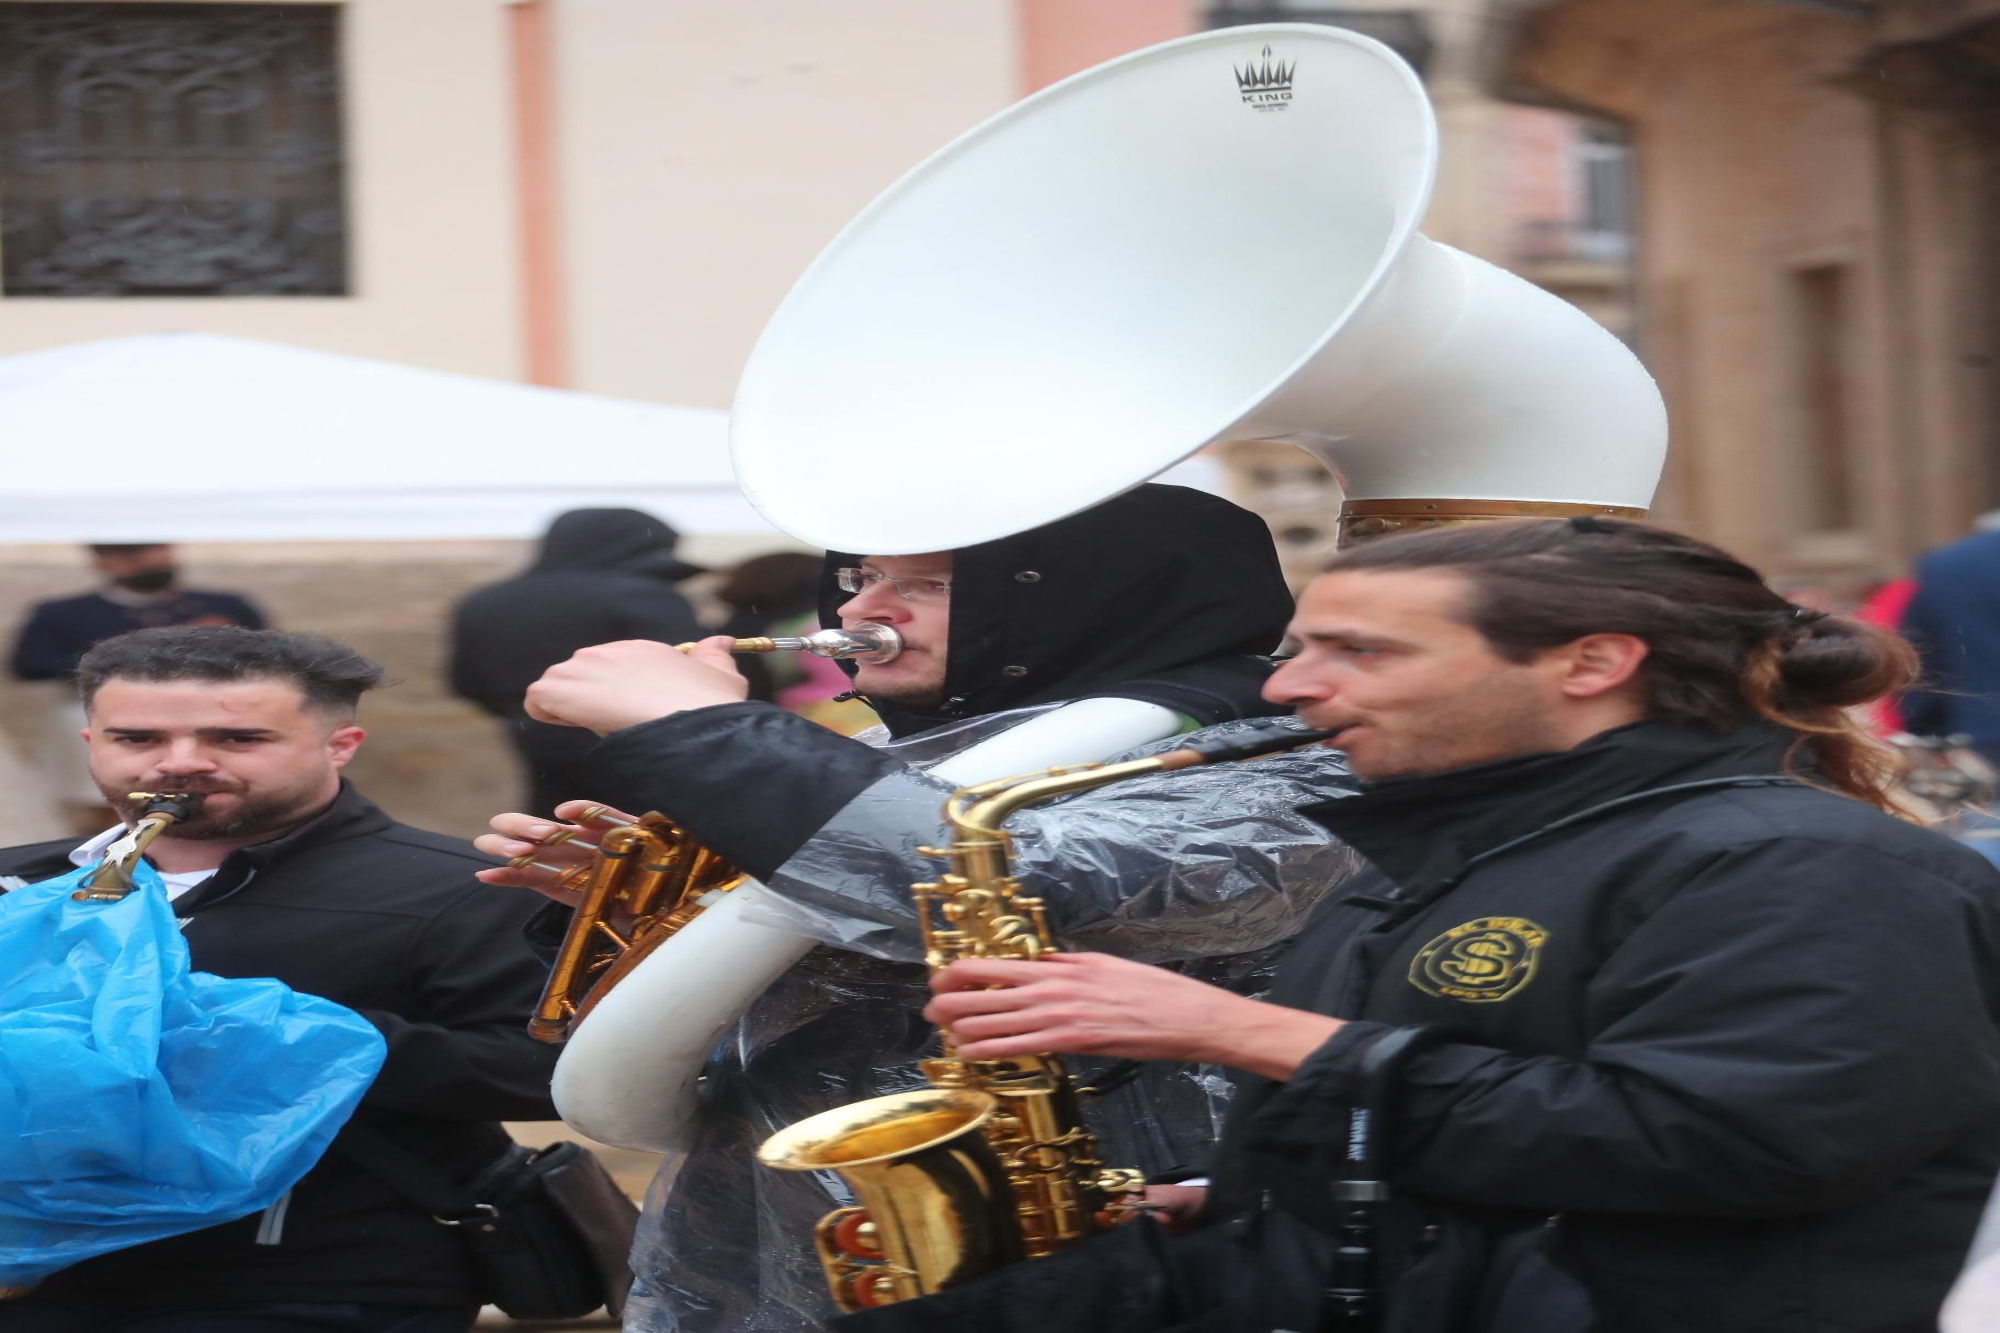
1211	240
1164	594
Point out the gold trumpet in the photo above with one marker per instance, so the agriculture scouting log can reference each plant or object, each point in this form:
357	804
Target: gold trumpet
647	878
112	879
992	1163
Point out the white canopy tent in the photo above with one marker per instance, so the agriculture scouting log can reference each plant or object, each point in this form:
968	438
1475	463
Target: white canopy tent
199	437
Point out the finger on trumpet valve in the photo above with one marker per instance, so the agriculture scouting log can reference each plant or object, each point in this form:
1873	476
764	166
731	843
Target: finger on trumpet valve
569	835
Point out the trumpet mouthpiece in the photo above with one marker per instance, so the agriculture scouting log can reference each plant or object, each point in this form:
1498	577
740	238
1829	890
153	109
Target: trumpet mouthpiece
867	642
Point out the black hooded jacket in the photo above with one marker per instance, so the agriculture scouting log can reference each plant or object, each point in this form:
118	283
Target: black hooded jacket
1164	594
602	575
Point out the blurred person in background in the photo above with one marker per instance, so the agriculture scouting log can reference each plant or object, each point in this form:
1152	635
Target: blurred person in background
775	596
140	590
1884	608
602	575
1953	618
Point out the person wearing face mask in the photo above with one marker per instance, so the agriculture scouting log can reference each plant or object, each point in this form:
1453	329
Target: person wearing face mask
140	591
1164	594
601	575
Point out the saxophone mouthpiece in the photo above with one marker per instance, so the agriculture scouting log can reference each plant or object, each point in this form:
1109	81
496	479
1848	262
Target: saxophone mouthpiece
1265	736
176	805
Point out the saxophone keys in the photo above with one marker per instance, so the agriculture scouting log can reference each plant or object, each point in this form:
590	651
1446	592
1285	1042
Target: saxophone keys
856	1234
859	1275
1117	1180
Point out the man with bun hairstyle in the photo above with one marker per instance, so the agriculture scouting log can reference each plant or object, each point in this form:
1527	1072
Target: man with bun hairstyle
1650	1016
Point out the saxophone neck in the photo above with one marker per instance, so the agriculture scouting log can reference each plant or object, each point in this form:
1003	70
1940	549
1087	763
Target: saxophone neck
977	813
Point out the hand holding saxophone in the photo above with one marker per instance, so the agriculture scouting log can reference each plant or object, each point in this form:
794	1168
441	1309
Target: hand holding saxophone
1094	1004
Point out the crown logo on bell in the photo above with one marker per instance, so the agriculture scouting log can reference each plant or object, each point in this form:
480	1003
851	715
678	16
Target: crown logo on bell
1268	76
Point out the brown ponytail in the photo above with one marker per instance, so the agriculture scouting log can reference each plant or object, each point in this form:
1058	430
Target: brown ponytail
1722	647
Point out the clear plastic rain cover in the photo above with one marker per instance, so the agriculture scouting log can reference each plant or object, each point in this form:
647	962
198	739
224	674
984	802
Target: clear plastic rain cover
139	1099
1207	870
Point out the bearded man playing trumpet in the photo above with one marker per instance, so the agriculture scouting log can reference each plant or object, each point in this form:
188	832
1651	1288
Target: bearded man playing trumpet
1647	1017
1164	595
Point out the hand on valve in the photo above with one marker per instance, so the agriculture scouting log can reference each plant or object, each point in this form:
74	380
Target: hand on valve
516	835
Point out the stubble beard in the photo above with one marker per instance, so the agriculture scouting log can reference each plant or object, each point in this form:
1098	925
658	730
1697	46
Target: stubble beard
1500	719
926	691
272	812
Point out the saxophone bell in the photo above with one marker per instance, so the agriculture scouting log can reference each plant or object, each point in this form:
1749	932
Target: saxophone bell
935	1205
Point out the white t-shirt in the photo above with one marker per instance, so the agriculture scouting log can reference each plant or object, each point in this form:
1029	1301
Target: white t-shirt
90	853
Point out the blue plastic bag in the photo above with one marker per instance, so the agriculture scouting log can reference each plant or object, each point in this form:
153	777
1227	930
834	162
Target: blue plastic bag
139	1099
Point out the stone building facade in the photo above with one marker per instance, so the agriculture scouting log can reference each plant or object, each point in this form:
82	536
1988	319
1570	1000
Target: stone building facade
606	195
1818	278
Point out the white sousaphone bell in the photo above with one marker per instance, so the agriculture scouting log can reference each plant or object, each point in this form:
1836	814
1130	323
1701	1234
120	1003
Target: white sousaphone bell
1213	239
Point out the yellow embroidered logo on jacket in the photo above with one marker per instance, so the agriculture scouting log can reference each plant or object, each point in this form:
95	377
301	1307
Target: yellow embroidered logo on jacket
1480	961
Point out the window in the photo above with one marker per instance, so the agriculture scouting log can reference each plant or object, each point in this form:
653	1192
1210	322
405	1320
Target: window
1604	191
170	150
1401	30
1820	297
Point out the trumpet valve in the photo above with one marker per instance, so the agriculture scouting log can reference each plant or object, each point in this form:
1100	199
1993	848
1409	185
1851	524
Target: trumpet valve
567	877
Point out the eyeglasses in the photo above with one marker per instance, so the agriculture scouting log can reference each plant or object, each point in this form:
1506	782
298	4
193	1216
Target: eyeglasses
910	590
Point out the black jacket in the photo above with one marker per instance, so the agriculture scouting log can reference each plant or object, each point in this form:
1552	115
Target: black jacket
388	921
1740	1042
1727	1056
1164	594
603	575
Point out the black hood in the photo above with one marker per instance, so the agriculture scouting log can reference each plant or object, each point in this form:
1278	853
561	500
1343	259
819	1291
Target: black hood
625	540
1164	593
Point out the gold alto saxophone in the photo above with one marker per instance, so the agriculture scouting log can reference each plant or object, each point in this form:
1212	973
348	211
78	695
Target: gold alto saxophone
992	1163
647	878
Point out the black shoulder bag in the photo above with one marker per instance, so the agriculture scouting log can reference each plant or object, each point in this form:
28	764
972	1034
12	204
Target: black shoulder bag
548	1230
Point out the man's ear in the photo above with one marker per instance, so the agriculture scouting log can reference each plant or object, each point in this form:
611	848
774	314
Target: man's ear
343	742
1597	664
